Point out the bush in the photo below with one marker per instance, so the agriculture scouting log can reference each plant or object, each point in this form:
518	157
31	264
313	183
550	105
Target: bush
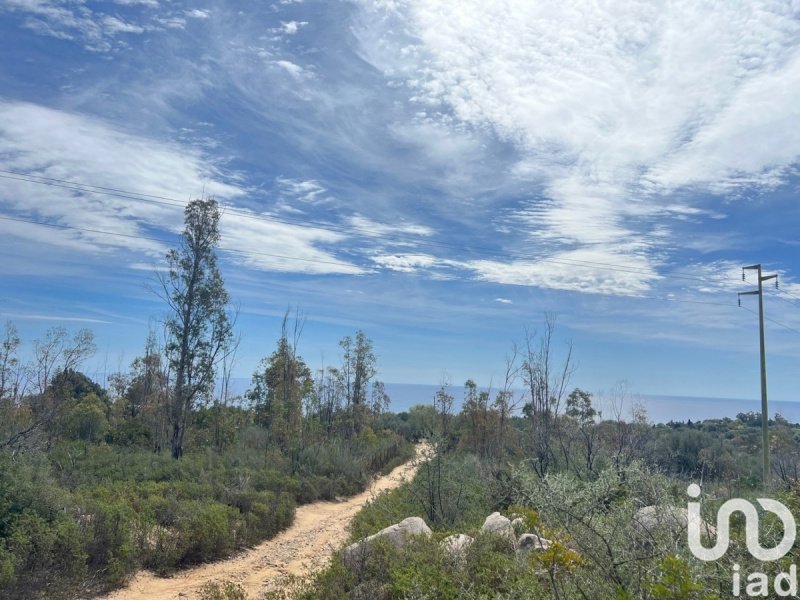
47	557
222	591
206	531
109	540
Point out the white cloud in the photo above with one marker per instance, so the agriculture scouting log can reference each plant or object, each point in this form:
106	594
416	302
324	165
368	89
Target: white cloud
306	190
65	146
405	263
273	246
114	25
77	21
292	27
368	227
611	106
588	271
53	144
150	3
293	69
503	301
197	13
59	318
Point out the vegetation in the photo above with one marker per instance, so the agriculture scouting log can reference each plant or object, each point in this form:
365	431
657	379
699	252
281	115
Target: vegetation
157	470
163	468
580	480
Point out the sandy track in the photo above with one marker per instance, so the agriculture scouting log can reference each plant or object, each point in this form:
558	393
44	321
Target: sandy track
318	530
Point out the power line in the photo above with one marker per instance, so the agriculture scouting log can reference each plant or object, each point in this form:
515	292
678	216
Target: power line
771	320
154	239
340	264
335	263
172	202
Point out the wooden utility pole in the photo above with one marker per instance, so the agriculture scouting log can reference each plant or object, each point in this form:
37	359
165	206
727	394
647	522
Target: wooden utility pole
764	411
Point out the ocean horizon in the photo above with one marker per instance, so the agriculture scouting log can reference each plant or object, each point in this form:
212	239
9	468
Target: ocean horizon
659	408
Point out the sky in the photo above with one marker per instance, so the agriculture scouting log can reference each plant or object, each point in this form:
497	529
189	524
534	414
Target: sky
439	173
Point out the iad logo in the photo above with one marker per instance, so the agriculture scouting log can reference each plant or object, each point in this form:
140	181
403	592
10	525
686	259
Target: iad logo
695	527
758	583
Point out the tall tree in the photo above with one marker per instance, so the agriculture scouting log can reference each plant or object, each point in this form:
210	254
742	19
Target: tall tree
546	385
358	370
198	327
10	372
281	385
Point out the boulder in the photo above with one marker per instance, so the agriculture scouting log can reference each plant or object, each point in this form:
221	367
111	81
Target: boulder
397	535
499	525
456	546
675	519
651	518
528	542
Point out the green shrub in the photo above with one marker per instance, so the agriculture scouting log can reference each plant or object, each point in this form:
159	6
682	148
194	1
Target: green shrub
222	591
109	540
206	531
48	557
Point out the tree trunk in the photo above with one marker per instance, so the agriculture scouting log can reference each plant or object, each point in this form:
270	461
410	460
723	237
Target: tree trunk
177	440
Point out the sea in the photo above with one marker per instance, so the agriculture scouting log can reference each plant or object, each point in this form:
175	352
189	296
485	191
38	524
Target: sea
659	409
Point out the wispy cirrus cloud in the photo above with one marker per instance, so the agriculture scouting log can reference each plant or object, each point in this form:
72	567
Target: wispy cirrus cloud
98	31
612	108
56	147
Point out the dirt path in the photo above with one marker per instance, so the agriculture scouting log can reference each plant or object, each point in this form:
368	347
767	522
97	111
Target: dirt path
318	530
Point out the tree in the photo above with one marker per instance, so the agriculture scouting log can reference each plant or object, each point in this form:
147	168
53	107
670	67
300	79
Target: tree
11	374
198	327
358	369
280	387
580	409
546	386
143	394
505	403
443	404
55	353
52	377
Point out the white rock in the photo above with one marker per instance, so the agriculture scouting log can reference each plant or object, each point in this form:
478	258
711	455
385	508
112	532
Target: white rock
397	535
499	525
456	545
648	519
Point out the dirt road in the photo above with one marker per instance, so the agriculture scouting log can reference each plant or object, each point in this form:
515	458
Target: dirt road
306	546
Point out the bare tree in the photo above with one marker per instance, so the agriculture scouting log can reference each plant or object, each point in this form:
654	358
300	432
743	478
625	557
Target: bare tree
627	434
55	353
546	385
505	402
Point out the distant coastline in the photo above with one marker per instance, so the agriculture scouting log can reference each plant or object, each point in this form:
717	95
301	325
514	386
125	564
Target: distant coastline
660	409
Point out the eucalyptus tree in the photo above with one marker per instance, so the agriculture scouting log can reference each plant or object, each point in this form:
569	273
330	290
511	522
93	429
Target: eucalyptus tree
199	330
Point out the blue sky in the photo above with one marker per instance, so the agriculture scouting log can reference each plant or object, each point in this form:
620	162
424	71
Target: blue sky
439	173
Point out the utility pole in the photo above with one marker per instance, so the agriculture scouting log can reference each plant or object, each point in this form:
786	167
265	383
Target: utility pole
764	412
